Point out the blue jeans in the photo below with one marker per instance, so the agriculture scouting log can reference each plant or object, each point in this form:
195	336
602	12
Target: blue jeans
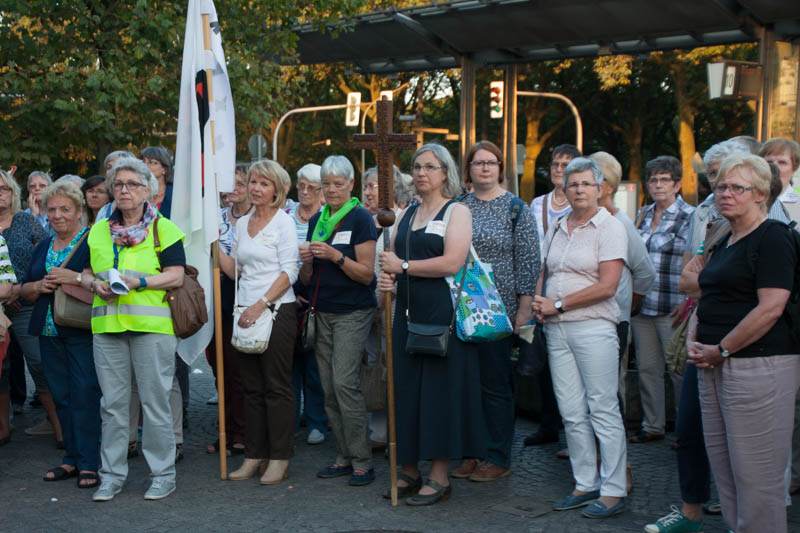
694	472
308	389
497	397
69	369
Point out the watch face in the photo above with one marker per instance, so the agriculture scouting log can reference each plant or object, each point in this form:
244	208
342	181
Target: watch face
558	304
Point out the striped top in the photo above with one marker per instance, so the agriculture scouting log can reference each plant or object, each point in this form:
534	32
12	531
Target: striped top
6	268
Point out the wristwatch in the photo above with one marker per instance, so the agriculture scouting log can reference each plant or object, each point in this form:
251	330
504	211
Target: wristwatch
340	262
79	277
722	351
404	266
268	302
559	305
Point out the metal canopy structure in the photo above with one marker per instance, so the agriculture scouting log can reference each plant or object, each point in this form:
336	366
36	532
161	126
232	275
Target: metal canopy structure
501	32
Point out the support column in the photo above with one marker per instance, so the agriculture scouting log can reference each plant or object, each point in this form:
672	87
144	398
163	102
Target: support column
781	89
466	130
510	128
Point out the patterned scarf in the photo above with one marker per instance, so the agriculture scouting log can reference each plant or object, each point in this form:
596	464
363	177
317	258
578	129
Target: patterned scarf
132	235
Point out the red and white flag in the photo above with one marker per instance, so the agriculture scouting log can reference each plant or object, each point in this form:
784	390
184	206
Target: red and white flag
205	157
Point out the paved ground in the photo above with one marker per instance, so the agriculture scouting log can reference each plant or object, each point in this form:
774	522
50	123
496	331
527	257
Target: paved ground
203	502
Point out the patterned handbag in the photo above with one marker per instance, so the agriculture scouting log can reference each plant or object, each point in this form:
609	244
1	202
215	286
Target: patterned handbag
480	313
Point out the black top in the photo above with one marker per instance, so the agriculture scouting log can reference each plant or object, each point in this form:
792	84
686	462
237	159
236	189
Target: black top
37	270
765	258
337	292
431	302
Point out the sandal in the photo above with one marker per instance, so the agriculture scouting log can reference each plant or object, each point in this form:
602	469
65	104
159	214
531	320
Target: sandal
414	484
60	473
92	476
235	449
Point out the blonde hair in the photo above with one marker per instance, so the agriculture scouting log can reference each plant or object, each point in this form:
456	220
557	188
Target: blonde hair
610	167
752	168
16	203
275	173
68	190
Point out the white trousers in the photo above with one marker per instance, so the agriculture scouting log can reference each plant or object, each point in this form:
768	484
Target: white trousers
584	364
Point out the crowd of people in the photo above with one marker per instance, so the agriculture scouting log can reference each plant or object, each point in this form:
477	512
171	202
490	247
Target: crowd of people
720	274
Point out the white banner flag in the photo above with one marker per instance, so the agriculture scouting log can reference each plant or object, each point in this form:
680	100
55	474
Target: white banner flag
203	165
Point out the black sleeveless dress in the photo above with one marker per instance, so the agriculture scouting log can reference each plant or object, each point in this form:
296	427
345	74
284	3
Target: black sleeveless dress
439	413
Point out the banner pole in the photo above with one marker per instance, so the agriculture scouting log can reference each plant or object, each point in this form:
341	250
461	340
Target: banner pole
223	457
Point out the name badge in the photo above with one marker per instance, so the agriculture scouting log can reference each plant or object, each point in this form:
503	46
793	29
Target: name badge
342	237
269	238
436	227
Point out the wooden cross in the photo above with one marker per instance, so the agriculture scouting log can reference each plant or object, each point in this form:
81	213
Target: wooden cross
384	142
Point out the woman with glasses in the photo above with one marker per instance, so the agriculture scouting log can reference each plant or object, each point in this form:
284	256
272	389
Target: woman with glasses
664	226
338	266
584	256
96	194
439	415
159	161
509	242
305	374
38	181
132	327
741	343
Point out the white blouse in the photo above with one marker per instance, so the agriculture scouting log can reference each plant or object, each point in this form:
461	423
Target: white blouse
263	258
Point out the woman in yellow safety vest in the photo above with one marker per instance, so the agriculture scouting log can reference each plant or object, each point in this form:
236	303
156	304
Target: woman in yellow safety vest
132	326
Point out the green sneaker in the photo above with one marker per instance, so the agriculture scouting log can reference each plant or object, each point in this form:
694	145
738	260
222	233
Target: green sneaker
674	522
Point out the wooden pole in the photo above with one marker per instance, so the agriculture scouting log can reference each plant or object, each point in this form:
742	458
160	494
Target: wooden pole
387	320
223	458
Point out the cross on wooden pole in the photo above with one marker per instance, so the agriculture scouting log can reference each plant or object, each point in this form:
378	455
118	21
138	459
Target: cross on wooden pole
385	142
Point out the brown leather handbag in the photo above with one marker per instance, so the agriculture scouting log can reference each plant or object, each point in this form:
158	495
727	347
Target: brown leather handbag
72	304
187	302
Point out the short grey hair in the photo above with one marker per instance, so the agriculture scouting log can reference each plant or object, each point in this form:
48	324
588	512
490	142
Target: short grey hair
40	174
452	185
310	172
72	178
337	165
138	167
67	189
16	202
582	164
401	184
720	151
116	154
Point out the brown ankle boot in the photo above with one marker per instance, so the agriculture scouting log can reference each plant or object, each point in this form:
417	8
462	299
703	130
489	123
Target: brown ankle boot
277	471
247	470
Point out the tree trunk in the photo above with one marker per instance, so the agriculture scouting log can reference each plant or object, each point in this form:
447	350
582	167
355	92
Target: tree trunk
685	134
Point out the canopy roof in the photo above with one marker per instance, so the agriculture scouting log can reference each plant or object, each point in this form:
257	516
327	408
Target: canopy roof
497	32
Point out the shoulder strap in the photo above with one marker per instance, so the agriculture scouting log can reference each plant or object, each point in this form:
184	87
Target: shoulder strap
545	210
516	209
74	248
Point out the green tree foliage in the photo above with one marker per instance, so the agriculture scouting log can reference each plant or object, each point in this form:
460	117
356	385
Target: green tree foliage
80	78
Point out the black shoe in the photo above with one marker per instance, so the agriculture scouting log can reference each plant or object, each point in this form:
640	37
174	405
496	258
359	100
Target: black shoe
441	494
404	492
540	437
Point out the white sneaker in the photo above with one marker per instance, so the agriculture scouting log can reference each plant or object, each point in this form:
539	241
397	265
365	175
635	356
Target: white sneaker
315	437
159	489
42	428
214	400
106	492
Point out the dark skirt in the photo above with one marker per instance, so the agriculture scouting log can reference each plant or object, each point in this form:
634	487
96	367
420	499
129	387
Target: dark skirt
438	401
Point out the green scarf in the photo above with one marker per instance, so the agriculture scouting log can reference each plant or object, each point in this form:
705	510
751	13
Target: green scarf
326	223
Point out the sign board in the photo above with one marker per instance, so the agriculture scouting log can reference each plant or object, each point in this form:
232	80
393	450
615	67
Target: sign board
734	80
386	94
627	198
353	111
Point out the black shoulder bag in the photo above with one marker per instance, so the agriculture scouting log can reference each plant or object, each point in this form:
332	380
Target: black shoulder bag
427	339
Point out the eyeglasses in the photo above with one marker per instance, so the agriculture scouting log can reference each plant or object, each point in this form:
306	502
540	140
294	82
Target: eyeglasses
371	186
738	190
427	168
662	181
131	185
575	185
561	165
5	190
309	188
90	191
485	164
712	174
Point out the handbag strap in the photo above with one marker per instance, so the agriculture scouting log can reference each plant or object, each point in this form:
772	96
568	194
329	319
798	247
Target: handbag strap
545	210
74	248
408	277
312	306
157	242
547	253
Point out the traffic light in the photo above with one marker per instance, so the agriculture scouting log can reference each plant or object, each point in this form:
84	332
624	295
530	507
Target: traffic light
496	99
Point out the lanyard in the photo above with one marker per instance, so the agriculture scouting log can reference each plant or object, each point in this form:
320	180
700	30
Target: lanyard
116	255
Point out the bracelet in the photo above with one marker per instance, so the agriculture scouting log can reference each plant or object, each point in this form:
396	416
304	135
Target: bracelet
142	284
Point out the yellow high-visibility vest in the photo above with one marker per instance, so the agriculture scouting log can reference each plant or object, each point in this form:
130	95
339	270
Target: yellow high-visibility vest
146	310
